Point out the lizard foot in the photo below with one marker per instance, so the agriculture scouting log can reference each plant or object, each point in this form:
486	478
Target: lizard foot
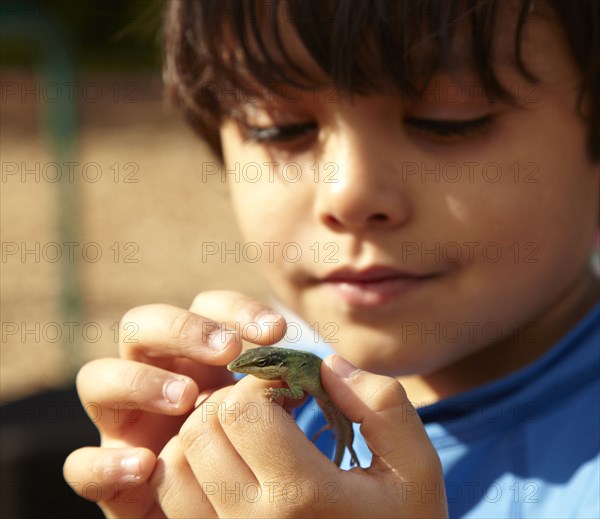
270	393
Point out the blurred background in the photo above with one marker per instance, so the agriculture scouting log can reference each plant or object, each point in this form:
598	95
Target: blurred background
103	207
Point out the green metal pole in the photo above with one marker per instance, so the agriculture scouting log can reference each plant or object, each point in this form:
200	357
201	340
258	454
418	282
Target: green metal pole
29	22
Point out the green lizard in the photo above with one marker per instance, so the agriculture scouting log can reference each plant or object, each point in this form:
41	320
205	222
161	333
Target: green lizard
301	371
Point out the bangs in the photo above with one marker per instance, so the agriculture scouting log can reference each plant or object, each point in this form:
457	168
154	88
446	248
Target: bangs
217	50
361	46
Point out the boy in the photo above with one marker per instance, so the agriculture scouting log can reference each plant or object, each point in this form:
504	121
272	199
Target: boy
444	207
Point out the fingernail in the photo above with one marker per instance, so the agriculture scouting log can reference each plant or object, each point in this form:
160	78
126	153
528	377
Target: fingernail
342	368
132	466
173	390
220	338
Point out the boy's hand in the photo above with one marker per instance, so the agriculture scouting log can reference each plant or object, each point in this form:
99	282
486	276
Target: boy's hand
138	402
238	455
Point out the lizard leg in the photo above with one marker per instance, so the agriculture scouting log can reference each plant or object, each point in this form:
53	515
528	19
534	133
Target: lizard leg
326	427
294	391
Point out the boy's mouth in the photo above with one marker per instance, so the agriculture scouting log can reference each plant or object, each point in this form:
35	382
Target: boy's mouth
373	286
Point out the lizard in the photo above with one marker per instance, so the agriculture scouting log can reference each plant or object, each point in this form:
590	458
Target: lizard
301	371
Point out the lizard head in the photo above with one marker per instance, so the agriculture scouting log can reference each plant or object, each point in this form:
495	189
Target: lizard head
264	362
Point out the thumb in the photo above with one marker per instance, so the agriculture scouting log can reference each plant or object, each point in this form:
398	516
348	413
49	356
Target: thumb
389	422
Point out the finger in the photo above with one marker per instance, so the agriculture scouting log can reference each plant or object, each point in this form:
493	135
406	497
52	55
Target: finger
175	486
213	459
157	331
115	392
265	436
104	382
114	478
389	422
253	320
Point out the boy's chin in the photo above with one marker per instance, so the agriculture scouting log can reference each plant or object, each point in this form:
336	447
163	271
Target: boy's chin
391	355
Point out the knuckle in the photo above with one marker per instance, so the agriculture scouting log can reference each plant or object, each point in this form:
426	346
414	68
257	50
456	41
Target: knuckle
387	394
83	375
246	308
162	482
205	301
129	328
193	429
88	372
165	481
82	473
203	424
232	413
70	465
134	378
182	325
131	316
199	300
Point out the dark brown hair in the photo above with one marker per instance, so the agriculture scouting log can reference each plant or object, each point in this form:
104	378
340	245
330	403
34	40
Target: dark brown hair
213	47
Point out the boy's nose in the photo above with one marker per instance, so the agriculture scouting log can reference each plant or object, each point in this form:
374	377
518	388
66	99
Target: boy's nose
362	197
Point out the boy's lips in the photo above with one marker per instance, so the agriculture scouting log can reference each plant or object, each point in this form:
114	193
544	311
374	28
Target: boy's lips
373	286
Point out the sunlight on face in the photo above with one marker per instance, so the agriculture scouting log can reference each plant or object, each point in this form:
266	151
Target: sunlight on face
427	230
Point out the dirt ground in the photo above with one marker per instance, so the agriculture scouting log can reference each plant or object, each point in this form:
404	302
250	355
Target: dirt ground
145	216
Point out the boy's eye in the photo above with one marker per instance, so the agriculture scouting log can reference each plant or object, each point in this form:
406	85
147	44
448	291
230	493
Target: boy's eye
447	130
441	129
275	134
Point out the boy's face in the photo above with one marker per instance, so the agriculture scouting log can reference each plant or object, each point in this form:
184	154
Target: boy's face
413	234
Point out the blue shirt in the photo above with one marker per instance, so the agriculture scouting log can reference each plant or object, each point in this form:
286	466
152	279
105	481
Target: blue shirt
526	445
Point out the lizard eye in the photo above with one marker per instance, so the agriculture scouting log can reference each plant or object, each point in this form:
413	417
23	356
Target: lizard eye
262	363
